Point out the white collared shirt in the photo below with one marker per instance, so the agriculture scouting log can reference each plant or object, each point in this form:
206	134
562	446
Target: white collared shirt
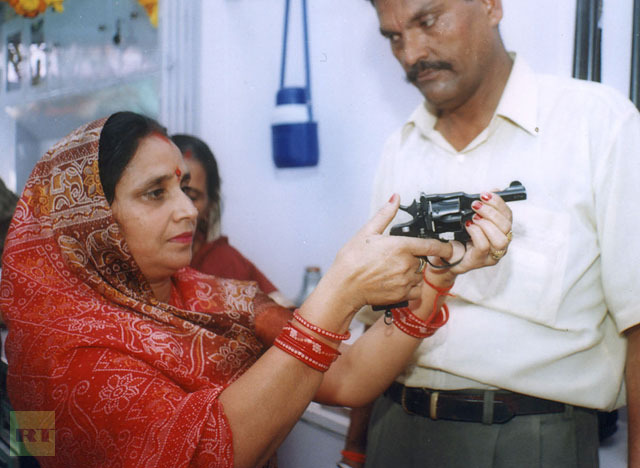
547	320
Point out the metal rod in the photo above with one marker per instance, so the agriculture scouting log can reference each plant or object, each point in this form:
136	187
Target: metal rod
634	92
586	52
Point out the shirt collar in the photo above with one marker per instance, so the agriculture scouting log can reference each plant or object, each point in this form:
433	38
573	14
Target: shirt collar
518	104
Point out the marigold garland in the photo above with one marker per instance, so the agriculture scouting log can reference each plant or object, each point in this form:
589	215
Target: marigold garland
32	8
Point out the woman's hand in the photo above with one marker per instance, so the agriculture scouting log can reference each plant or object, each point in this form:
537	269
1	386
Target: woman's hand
373	268
490	232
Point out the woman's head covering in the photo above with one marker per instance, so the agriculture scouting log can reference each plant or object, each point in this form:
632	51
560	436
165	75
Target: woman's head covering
64	219
64	236
66	261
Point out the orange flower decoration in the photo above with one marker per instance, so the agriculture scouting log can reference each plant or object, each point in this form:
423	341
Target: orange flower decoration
32	8
151	7
28	8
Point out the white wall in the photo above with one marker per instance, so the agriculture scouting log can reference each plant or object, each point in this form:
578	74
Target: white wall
286	219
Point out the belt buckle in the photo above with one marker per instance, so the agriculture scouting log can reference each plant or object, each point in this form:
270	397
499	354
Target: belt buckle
433	402
433	405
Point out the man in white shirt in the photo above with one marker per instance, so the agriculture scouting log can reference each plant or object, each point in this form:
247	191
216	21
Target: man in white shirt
537	343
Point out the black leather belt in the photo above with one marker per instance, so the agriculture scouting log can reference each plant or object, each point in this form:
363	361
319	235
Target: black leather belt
489	407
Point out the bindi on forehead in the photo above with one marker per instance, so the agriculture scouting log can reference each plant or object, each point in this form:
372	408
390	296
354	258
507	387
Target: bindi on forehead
178	172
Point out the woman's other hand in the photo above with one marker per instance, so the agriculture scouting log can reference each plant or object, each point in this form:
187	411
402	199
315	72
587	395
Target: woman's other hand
490	231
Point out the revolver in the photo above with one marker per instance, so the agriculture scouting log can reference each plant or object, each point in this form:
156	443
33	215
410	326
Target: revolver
444	216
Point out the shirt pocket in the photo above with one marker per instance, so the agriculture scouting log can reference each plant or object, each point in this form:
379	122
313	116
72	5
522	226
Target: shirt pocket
528	281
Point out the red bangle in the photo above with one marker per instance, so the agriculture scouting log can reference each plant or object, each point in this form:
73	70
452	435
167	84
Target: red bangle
306	348
324	349
353	456
321	331
408	323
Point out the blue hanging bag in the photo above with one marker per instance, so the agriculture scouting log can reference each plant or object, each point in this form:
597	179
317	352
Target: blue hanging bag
294	134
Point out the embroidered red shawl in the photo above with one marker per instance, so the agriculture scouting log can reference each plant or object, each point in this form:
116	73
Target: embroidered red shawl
132	381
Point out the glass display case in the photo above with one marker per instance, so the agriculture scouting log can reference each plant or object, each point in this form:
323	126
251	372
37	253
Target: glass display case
61	69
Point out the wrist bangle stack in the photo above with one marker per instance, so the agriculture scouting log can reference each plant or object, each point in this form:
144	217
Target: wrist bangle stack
408	323
306	348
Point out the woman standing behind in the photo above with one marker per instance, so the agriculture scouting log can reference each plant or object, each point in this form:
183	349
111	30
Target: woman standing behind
212	253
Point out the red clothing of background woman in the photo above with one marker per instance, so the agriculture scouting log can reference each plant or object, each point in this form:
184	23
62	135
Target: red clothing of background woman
219	258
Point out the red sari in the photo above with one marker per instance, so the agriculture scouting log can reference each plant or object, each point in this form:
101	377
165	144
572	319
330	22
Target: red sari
132	381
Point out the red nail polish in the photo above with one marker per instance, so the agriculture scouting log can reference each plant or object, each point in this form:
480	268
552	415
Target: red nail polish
393	197
486	196
468	223
476	205
477	217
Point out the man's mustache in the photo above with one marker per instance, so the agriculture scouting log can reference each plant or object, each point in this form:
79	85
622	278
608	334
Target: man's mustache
422	65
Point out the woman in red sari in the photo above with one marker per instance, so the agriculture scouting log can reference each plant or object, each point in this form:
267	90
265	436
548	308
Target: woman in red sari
146	362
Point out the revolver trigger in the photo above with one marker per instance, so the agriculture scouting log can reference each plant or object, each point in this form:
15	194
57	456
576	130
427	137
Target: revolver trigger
405	208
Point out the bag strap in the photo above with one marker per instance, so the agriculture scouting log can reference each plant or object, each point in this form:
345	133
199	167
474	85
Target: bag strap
307	68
